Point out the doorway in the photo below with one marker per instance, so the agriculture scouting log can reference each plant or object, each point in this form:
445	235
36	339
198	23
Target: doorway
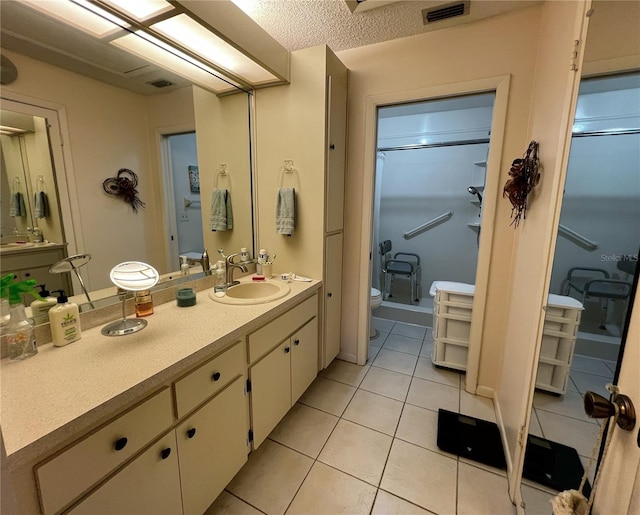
429	184
184	205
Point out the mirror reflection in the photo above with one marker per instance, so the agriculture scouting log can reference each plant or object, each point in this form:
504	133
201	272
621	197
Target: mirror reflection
174	139
595	261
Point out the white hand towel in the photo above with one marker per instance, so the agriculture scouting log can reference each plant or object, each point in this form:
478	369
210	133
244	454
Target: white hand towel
286	211
221	217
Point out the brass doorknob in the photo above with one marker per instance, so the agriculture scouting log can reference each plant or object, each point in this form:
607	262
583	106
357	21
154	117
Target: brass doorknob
597	406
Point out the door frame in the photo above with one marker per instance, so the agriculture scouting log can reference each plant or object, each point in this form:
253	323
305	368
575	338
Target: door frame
498	85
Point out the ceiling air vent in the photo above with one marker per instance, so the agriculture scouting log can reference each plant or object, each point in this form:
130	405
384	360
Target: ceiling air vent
444	12
160	83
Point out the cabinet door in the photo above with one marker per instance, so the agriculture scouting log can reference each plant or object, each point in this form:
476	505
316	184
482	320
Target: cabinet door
336	154
149	484
270	391
212	446
332	298
304	359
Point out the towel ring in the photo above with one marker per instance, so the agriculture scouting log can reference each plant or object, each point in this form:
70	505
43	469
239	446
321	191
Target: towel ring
289	171
224	173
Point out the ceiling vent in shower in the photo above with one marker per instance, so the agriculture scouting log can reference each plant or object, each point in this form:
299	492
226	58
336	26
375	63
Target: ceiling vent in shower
444	12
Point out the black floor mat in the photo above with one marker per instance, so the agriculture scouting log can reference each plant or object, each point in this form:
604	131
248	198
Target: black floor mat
554	465
471	438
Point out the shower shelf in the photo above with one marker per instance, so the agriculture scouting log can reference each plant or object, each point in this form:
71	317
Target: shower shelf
482	164
474	225
475	202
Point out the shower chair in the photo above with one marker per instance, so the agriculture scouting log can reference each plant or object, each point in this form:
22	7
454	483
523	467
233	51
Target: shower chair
597	283
407	268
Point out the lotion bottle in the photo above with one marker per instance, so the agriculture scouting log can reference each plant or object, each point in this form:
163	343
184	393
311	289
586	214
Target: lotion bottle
65	321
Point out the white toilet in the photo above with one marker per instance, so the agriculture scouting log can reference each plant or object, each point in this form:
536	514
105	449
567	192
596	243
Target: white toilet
376	301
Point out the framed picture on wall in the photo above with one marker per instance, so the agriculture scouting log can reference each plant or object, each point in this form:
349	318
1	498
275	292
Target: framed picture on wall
194	179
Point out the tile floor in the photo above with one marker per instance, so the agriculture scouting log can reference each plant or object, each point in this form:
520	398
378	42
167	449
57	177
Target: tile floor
363	440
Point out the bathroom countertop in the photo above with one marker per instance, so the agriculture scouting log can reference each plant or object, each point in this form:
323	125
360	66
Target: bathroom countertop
63	391
29	247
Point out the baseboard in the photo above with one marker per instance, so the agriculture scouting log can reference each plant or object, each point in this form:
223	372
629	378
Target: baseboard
344	356
485	391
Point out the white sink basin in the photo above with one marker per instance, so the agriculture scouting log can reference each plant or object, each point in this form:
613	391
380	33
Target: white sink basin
252	293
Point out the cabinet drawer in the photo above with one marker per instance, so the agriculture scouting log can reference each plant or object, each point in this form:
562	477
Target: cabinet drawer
66	476
203	382
267	337
150	484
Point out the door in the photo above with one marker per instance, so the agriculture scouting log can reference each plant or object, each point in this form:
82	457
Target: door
212	447
619	484
333	297
304	359
270	391
554	96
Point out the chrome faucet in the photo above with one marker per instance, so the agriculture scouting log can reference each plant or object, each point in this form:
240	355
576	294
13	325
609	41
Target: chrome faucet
230	266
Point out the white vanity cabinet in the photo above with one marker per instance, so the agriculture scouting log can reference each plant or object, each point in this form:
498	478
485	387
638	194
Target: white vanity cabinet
283	363
181	472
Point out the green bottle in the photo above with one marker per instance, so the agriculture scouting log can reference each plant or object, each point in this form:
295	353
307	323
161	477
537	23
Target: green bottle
21	336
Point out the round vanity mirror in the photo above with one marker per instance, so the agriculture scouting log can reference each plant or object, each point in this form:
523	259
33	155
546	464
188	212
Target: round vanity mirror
130	276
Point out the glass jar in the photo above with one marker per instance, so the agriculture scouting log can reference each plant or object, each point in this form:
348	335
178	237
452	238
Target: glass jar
143	303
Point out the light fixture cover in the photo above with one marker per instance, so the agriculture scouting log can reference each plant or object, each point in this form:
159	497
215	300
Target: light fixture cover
134	276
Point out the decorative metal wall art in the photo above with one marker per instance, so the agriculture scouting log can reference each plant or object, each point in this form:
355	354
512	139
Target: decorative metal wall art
525	175
124	185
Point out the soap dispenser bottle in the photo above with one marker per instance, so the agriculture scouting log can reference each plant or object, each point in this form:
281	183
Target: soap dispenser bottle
184	267
65	321
40	308
21	337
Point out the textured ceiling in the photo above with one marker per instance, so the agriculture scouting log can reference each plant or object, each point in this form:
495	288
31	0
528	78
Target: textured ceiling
297	24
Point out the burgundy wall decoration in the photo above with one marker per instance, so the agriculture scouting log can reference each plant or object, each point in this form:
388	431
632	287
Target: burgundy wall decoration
525	175
124	185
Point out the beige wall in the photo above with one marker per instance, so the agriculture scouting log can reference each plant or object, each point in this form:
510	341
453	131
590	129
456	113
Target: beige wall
497	46
109	129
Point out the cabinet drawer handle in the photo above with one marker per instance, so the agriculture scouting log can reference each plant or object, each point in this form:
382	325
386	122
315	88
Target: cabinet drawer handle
191	432
329	294
332	146
287	349
215	376
296	341
120	443
164	453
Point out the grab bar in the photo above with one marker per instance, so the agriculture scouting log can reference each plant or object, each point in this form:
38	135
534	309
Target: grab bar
427	225
188	202
577	238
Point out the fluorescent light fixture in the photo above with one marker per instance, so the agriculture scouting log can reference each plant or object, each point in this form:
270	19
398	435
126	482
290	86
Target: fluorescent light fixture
190	34
141	9
165	56
80	14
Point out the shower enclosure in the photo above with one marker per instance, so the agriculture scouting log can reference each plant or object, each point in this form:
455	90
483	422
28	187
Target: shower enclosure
430	176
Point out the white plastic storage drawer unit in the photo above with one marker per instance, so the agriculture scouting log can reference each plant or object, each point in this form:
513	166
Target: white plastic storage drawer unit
562	318
452	307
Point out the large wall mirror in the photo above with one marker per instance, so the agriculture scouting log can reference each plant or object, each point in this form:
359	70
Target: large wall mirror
595	259
106	110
